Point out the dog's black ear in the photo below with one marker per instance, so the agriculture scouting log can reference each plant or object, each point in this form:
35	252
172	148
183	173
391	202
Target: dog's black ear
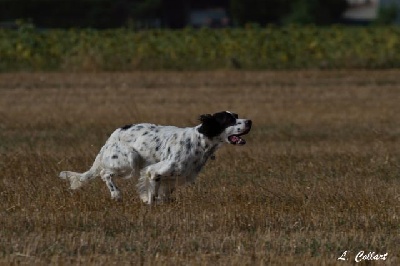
210	127
205	117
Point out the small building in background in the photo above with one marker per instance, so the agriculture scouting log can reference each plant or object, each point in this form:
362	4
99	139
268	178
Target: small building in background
367	11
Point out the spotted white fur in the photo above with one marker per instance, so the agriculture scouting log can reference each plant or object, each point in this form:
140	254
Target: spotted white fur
161	157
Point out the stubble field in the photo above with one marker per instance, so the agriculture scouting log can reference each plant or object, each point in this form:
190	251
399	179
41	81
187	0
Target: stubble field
319	174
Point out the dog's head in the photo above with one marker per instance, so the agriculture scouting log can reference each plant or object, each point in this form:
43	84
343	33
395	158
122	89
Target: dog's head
225	125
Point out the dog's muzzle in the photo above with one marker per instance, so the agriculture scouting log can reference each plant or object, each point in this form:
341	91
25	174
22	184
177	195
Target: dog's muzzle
236	139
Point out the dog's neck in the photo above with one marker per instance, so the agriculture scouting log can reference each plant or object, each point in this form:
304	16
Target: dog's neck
208	145
208	140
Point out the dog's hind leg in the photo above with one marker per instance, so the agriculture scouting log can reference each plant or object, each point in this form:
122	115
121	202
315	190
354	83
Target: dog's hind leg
107	176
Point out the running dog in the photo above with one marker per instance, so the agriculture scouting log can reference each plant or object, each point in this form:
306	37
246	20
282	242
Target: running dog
161	157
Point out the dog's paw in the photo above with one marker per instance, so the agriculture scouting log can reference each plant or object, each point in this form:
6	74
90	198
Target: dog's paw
144	197
116	195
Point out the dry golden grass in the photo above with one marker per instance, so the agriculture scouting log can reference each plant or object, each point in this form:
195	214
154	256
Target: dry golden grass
319	174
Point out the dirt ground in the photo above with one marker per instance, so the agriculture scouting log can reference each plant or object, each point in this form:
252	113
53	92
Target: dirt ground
317	182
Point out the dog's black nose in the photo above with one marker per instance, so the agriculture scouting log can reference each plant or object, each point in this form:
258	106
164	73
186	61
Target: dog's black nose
248	123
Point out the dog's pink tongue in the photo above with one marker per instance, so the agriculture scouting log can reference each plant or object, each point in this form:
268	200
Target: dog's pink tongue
237	140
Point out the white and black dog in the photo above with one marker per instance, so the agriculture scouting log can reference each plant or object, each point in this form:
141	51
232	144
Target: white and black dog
161	157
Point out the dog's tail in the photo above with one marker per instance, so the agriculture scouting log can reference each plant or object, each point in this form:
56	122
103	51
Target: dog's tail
73	177
78	179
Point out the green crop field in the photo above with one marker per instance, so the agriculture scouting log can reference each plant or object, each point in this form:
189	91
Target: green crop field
205	49
319	174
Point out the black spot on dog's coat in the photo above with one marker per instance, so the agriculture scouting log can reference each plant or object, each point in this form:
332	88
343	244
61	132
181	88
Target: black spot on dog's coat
188	144
126	127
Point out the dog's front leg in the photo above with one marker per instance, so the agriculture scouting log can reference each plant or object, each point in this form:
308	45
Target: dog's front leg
150	179
154	186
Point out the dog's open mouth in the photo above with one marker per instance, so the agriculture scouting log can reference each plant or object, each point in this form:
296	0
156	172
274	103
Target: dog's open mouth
237	139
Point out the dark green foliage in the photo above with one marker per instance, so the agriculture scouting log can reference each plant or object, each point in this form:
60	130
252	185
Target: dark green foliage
259	11
262	12
387	15
318	12
254	48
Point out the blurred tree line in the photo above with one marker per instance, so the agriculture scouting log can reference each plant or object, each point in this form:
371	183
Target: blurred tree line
79	13
167	13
